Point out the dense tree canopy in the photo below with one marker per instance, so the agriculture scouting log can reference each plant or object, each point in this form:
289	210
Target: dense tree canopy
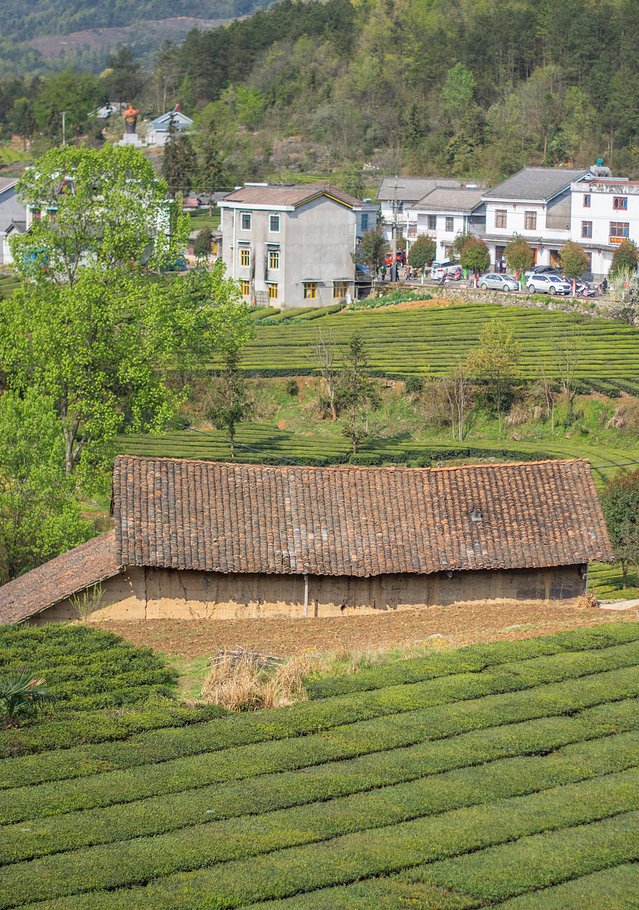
102	209
468	88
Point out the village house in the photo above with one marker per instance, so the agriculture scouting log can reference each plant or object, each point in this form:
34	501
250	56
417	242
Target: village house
534	204
158	130
207	540
445	213
293	246
605	212
12	217
396	194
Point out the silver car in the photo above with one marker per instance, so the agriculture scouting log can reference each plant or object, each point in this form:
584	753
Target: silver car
498	282
548	284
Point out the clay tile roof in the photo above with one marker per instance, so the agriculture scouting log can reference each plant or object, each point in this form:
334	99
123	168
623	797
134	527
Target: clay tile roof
240	518
59	578
287	195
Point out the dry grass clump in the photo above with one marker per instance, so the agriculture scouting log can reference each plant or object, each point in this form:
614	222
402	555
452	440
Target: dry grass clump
247	681
588	601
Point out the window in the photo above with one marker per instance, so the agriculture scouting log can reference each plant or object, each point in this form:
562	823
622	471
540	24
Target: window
245	288
620	203
272	292
364	222
245	221
450	223
245	255
586	200
530	221
273	259
500	218
274	223
310	290
432	222
619	229
586	228
340	289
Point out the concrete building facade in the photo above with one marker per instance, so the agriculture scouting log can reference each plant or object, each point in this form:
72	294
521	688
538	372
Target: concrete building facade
293	246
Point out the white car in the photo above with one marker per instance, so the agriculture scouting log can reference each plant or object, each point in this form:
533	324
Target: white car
439	269
497	282
548	284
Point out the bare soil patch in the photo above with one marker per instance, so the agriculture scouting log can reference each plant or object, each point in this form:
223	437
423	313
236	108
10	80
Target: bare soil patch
452	626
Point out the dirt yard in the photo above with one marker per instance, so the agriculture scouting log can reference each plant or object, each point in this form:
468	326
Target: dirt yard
448	626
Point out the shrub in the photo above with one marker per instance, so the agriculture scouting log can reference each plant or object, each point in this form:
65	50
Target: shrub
414	386
292	387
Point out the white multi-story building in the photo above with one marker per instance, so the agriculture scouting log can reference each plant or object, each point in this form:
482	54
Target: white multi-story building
605	211
444	214
535	204
396	194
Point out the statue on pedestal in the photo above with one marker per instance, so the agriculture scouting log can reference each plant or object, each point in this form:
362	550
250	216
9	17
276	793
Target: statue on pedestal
130	119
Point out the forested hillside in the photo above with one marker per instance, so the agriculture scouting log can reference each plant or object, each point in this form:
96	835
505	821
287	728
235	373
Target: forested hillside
460	86
469	88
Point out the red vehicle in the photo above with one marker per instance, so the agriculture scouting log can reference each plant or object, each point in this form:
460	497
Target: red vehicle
400	258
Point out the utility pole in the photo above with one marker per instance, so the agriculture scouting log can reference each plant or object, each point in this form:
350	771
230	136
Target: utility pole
396	186
64	127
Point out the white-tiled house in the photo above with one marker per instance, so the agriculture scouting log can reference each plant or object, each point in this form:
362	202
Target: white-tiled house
535	204
292	246
12	217
158	130
445	213
605	211
397	194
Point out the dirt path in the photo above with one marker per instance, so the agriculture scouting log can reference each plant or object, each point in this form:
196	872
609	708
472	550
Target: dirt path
452	626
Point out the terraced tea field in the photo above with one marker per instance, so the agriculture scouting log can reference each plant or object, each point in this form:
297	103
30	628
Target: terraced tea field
266	444
502	775
430	341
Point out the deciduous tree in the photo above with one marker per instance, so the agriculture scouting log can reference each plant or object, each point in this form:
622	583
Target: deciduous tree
422	252
574	261
372	250
101	350
620	503
519	255
475	257
39	515
625	258
357	393
231	402
103	210
494	364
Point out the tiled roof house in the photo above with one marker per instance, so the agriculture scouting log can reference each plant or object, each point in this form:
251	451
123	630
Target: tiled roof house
197	539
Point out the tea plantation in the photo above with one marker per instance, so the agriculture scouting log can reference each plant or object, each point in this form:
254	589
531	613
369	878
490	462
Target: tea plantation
430	341
502	775
266	444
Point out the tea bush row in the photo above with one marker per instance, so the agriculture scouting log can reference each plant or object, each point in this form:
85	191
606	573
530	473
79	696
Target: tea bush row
350	707
380	851
165	812
142	859
300	718
572	857
471	659
612	689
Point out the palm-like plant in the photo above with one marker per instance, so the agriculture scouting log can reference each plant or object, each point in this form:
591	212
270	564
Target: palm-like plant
20	693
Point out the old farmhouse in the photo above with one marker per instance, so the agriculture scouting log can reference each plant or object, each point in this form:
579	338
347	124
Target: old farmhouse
197	539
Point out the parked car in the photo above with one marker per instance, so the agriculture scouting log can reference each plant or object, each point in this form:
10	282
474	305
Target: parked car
439	269
498	282
548	284
544	270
